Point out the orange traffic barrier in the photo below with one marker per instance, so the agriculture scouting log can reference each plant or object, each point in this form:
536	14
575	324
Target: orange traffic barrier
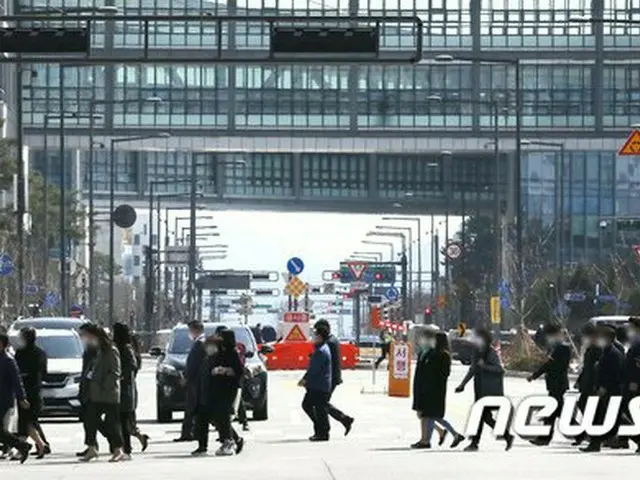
400	370
295	356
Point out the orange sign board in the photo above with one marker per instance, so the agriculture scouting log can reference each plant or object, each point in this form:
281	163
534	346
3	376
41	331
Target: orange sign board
632	145
400	370
442	301
375	317
296	335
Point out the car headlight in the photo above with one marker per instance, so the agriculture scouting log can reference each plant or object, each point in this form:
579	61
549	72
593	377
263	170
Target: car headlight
255	370
167	369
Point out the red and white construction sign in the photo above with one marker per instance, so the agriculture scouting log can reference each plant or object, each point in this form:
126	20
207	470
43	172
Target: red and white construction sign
295	327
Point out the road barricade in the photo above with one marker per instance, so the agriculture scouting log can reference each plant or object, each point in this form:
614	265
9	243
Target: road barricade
295	356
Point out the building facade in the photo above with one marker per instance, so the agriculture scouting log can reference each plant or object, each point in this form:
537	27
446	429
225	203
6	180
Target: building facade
365	137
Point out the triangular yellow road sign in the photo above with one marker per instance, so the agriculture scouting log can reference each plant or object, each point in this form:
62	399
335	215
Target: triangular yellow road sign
632	145
296	335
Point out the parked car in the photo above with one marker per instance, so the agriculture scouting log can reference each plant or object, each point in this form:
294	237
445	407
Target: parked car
170	394
61	383
462	346
49	323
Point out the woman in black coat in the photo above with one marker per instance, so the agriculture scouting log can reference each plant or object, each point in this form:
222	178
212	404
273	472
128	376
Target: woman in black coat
128	390
220	379
430	387
32	363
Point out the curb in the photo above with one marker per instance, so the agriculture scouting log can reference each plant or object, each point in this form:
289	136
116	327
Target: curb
521	374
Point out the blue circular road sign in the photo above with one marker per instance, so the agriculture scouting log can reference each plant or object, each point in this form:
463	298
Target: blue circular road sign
31	289
295	266
392	294
6	265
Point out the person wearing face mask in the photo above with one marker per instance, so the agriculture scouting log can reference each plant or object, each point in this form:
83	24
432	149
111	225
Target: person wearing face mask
220	376
191	379
11	390
556	374
487	373
632	372
586	382
32	363
317	381
430	387
609	382
88	356
104	395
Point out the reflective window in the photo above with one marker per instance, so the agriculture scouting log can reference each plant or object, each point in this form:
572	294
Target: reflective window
411	176
333	175
292	96
619	35
126	170
621	95
257	174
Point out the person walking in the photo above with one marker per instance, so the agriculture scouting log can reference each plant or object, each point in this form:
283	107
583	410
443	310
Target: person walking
487	373
385	345
128	391
556	373
586	382
430	387
317	382
191	380
88	356
220	379
11	390
32	364
104	395
610	372
238	405
143	438
336	375
632	374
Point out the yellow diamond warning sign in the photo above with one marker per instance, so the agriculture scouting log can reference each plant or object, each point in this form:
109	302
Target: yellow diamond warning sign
632	145
296	335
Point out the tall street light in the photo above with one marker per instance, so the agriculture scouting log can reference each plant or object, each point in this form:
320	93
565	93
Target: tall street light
376	255
112	201
409	232
419	242
403	265
559	206
93	103
515	62
390	245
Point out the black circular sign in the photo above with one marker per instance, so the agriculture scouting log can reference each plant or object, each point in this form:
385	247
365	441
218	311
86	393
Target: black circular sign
124	216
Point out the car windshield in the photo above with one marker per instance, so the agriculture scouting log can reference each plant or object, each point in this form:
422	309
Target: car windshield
48	323
58	346
180	343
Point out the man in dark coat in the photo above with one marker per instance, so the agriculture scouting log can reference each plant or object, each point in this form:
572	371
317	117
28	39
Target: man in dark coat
32	363
632	372
336	375
195	358
586	382
556	375
11	389
317	381
487	373
609	382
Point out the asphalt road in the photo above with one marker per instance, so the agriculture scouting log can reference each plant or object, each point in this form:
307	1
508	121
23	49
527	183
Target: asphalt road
278	449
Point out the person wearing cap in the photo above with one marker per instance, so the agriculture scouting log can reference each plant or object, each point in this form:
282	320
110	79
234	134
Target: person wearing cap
586	382
487	373
336	375
609	382
317	382
556	374
632	371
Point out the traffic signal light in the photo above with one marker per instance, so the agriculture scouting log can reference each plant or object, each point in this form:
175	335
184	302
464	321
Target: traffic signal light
427	314
378	276
380	273
335	276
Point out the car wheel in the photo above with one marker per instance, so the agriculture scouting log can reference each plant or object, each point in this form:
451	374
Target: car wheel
262	413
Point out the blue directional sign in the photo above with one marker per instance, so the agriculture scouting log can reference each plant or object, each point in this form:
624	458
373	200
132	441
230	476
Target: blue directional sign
50	300
31	289
392	294
575	297
295	266
504	291
6	265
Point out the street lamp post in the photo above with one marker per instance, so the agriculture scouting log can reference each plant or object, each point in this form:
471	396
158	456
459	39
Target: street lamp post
559	206
403	264
112	198
419	242
515	62
409	233
384	244
376	255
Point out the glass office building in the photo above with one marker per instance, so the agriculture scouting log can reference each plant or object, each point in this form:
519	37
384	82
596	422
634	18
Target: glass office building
358	135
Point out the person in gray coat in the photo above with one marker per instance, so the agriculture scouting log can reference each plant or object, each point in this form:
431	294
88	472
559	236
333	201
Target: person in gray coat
104	395
487	373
